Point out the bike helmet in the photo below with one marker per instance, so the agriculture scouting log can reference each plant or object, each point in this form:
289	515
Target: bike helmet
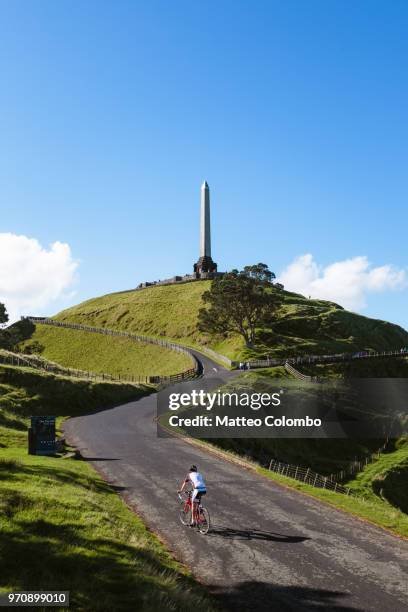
193	468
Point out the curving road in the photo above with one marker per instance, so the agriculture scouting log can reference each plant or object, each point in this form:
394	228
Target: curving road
270	548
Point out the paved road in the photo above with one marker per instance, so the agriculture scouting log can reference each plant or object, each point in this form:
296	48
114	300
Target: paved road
270	548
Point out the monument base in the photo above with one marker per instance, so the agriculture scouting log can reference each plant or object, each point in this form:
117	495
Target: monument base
205	268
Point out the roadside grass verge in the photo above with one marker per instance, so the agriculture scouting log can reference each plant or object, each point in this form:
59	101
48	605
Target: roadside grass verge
62	527
25	392
372	509
385	478
107	354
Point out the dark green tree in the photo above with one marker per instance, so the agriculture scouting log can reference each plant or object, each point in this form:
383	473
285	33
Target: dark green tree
33	348
14	334
259	272
240	302
3	315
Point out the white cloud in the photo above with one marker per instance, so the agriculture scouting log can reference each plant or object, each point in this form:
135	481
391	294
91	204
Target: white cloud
33	277
346	282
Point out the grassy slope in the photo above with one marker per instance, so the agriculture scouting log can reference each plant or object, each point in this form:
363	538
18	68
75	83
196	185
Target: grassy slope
304	326
386	477
99	353
62	527
374	510
363	368
25	392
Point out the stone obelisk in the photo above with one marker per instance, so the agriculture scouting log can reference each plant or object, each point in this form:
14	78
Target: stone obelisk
205	267
205	226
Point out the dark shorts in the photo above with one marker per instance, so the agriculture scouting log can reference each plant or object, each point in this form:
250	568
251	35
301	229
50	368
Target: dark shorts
198	495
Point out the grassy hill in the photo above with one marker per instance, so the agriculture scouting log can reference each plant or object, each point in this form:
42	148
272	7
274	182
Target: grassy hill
303	326
107	354
61	523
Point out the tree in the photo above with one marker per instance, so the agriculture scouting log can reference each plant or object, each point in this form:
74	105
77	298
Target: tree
3	314
33	348
19	331
240	302
259	272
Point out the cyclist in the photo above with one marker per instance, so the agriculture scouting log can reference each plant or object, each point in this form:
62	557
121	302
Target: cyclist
195	478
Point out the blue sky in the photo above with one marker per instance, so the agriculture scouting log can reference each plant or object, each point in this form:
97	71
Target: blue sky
112	114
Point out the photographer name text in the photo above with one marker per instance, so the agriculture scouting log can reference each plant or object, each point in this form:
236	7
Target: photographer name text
242	421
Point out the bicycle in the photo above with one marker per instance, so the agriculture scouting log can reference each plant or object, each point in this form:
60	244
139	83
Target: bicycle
202	522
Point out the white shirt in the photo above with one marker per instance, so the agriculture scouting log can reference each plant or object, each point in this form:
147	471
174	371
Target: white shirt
197	480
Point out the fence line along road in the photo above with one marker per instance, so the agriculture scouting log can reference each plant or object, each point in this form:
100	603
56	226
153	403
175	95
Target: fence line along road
291	370
335	358
331	482
21	359
359	464
256	363
307	476
162	380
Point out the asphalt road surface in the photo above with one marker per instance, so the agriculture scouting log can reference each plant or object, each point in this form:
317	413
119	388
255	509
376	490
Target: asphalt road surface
269	548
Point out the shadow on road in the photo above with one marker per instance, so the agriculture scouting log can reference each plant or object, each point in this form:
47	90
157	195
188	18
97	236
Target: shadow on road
267	597
100	458
254	534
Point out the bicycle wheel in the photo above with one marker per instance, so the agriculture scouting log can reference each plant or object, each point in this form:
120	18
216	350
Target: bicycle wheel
184	515
203	521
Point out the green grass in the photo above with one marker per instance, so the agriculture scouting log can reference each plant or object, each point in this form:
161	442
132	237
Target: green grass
361	368
107	354
303	326
374	510
386	477
25	392
62	527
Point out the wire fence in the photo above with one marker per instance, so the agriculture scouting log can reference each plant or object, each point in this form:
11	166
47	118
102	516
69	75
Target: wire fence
23	360
152	379
357	465
335	358
112	332
331	482
291	370
228	362
256	363
307	476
